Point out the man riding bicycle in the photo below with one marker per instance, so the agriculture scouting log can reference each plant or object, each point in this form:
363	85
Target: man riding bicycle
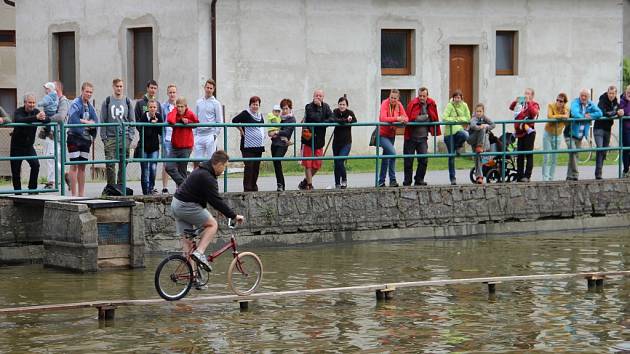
189	205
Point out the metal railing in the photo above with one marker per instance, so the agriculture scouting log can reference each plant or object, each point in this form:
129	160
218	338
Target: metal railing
377	156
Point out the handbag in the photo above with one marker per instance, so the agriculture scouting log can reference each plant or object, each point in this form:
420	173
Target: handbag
373	137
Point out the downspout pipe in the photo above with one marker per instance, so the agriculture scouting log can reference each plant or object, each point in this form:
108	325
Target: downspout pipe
213	35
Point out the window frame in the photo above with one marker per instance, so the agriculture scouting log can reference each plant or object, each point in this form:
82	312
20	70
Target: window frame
8	43
409	60
513	54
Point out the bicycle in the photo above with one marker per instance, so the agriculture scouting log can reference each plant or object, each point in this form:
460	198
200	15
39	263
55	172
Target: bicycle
585	156
176	273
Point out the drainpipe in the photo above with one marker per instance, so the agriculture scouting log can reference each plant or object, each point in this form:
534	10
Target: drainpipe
213	36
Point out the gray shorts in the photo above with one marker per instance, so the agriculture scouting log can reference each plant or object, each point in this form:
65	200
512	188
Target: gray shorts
189	215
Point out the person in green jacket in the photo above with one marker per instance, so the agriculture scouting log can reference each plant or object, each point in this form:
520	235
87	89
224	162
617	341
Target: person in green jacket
455	135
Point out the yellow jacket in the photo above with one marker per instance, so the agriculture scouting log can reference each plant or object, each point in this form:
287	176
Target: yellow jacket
553	112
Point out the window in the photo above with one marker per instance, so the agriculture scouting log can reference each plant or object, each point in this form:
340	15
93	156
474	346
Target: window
7	38
396	51
405	97
506	52
66	63
142	61
8	100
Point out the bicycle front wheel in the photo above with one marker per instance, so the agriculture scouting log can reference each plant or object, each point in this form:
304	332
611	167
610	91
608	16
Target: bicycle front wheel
173	277
245	273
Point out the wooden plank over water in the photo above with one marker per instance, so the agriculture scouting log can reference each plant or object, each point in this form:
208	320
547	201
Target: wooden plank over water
306	292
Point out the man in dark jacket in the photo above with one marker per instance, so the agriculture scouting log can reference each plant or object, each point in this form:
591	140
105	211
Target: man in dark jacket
317	111
189	204
22	140
610	108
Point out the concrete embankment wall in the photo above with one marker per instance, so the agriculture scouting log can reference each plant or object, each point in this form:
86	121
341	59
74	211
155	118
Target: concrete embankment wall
326	216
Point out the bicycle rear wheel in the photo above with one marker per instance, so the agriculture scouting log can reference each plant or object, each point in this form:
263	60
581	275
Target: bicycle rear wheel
245	273
585	156
173	277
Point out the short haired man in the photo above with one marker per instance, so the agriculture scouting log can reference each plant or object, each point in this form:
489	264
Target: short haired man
189	204
208	110
317	111
609	106
167	107
116	109
79	139
22	140
421	109
525	108
577	128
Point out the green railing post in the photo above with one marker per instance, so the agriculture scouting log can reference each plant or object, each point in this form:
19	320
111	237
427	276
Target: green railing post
503	153
123	159
55	132
620	147
225	147
378	146
62	129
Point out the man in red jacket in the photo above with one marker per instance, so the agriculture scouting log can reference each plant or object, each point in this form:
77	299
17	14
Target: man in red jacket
421	109
182	140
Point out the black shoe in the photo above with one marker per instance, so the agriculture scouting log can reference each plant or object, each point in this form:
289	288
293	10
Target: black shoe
393	184
302	185
280	187
344	184
598	177
380	185
571	179
406	184
523	179
164	190
421	183
453	182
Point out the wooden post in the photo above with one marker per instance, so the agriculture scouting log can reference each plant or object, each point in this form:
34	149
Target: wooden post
385	294
106	312
243	305
492	287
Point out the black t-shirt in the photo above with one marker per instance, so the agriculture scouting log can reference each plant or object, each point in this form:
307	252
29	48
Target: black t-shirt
343	134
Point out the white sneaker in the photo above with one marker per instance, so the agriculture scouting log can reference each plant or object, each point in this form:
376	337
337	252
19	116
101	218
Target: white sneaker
202	260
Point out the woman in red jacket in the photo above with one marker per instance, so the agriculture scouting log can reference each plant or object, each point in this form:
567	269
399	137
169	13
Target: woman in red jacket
392	111
182	140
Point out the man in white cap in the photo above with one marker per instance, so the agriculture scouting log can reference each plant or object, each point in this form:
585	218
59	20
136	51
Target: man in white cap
208	110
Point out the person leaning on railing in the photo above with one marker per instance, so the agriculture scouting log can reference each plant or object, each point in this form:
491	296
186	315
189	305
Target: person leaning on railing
609	105
182	140
582	111
455	135
421	109
479	139
552	135
149	145
281	139
624	104
392	111
317	111
342	140
525	108
252	142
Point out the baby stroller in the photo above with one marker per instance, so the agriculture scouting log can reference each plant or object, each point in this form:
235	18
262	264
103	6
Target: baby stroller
491	165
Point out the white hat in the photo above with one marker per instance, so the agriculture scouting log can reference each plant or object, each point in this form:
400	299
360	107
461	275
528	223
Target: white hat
276	107
50	86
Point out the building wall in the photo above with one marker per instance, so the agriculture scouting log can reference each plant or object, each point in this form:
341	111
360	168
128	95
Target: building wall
7	54
293	47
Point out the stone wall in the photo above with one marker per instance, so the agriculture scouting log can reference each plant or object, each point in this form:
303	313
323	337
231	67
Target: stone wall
296	217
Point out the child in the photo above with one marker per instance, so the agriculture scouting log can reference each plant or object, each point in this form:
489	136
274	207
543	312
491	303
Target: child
50	102
150	146
480	127
274	117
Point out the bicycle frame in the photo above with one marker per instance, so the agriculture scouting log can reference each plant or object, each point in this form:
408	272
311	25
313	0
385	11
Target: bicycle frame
232	244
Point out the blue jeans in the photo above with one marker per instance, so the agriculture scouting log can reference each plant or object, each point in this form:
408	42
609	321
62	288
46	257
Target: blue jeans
388	165
625	136
550	142
454	142
340	165
147	172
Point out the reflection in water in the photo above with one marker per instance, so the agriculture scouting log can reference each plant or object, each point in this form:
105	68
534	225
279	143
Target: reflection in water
551	316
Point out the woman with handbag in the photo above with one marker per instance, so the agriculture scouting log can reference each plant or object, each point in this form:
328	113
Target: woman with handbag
252	142
392	111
